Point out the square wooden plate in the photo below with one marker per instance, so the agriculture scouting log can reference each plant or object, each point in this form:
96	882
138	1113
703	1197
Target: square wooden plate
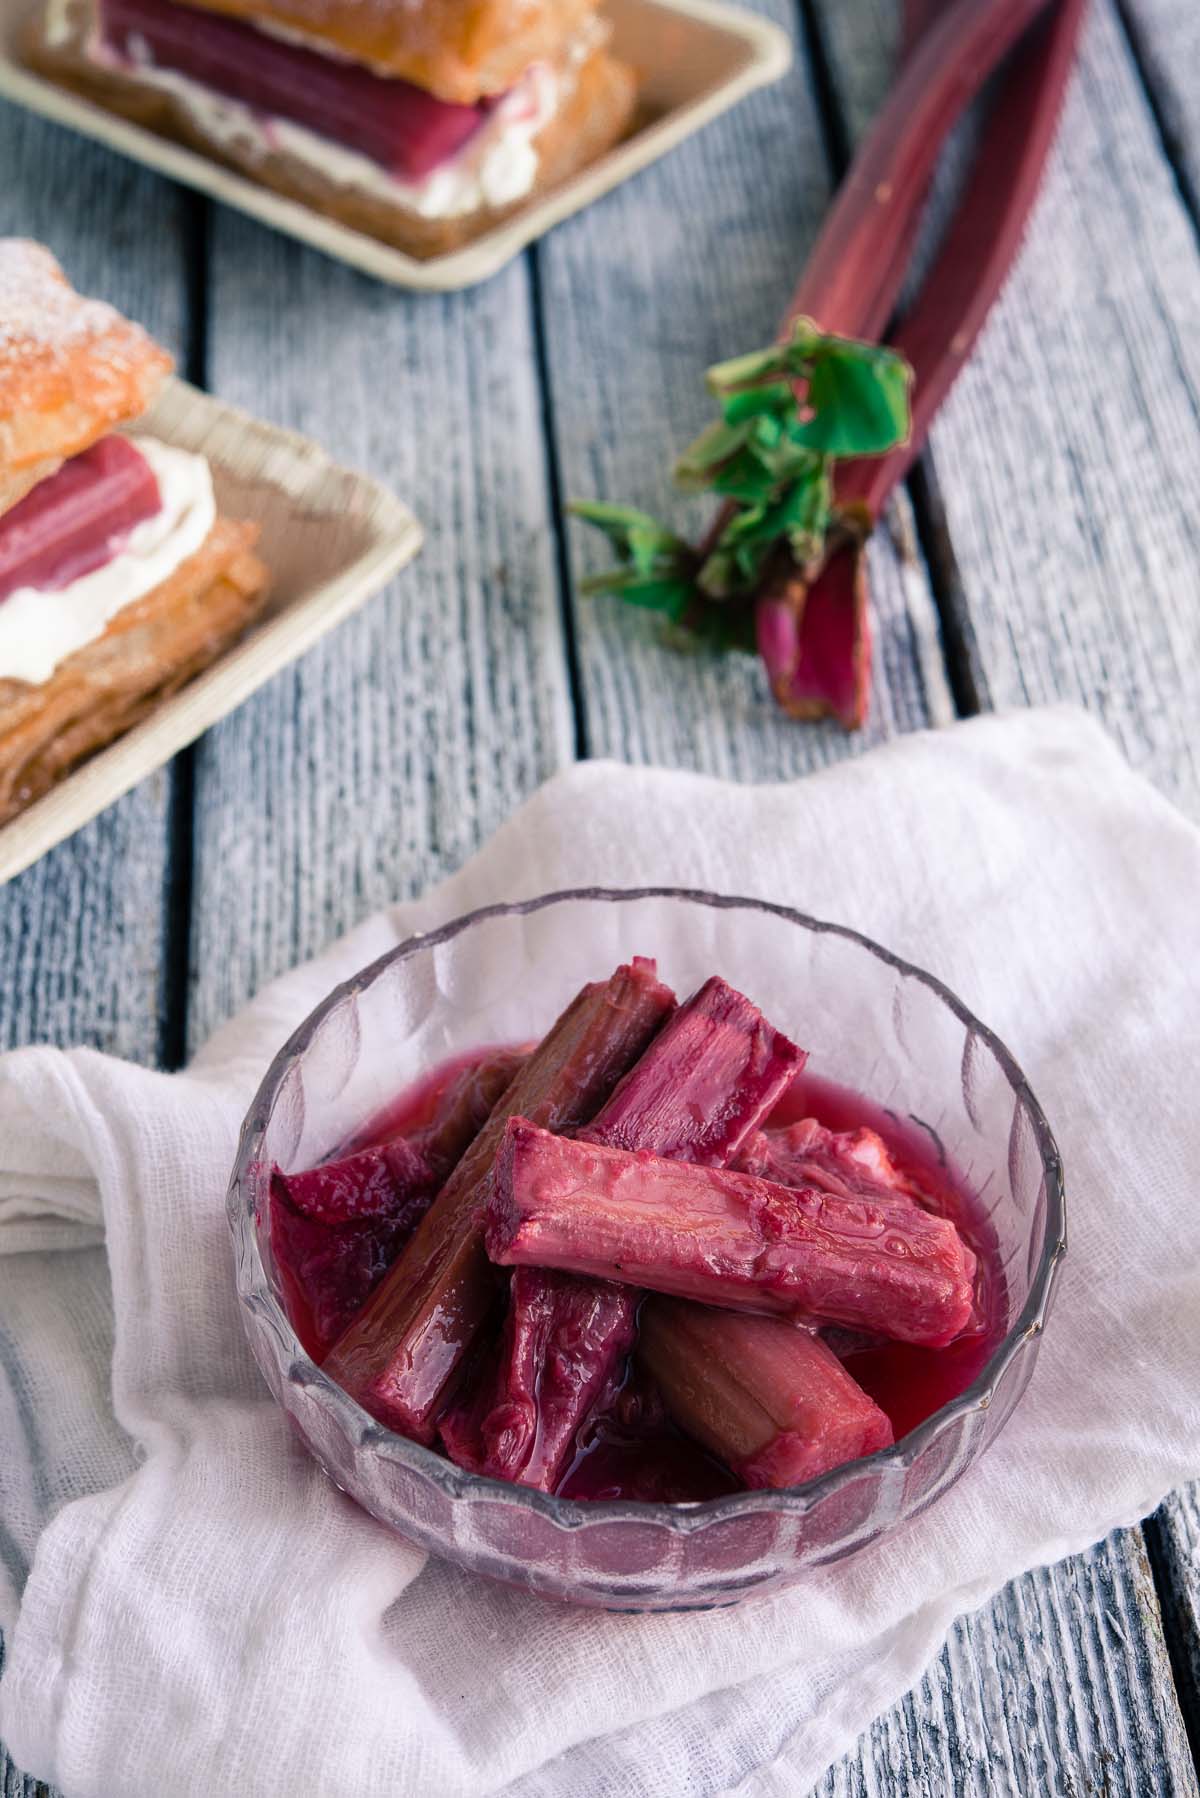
330	538
694	59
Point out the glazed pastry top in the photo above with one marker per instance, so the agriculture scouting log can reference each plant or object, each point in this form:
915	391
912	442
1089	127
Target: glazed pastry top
70	368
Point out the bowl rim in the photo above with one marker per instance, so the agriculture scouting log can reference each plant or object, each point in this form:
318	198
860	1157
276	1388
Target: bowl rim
256	1295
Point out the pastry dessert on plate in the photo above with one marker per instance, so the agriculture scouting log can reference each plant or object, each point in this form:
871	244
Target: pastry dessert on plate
118	578
421	124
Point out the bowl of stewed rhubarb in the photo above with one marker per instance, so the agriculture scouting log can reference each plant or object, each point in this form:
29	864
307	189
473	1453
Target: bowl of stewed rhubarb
645	1248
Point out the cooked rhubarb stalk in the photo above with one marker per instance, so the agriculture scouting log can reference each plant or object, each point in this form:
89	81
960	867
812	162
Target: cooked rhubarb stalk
709	1078
336	1230
562	1341
69	523
707	1082
407	131
848	1163
464	1108
764	1394
727	1239
402	1352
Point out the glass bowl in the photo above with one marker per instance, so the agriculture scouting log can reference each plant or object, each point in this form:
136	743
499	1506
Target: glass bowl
869	1020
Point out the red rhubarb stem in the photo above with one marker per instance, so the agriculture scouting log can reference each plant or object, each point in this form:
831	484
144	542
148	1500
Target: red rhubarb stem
981	245
877	203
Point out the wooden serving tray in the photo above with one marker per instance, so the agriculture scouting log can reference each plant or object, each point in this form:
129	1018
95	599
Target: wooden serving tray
330	537
694	60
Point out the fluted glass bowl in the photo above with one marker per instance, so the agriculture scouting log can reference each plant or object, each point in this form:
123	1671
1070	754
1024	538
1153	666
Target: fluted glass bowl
869	1020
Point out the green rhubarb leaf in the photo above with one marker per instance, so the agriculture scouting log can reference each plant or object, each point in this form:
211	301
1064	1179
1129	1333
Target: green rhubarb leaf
670	596
781	360
635	535
768	399
857	401
787	414
709	452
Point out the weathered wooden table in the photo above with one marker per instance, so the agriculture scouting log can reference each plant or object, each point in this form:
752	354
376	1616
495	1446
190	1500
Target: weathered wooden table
1049	547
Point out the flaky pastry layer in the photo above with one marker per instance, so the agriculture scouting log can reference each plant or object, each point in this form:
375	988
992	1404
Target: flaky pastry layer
148	651
593	115
70	368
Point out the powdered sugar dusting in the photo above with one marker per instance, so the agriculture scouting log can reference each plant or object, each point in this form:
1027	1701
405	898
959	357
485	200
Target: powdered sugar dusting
40	313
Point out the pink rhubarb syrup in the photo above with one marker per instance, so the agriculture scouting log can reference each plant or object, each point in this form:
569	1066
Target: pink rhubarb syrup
76	520
633	1451
407	131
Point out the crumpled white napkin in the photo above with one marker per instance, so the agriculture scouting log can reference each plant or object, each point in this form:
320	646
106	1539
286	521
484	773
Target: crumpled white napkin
203	1613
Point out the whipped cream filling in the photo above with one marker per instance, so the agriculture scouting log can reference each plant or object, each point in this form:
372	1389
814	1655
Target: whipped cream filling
496	167
40	628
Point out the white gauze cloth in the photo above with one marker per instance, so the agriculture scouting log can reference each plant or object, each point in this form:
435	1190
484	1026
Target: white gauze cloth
190	1606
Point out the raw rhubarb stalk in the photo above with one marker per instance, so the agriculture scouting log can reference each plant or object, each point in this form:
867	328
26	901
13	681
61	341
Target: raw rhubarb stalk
728	1239
877	204
408	131
764	1394
401	1354
851	284
336	1229
709	1078
69	523
562	1340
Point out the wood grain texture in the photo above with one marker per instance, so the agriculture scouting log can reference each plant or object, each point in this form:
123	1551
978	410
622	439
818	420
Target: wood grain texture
1174	1538
1053	1688
1076	572
82	932
694	260
383	759
1065	460
1166	38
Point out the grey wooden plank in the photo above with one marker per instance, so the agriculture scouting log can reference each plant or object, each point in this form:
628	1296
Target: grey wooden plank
694	260
1166	38
82	932
1174	1536
1060	466
1065	458
382	760
1055	1687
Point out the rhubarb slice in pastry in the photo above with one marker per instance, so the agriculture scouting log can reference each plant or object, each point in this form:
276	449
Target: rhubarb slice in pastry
147	651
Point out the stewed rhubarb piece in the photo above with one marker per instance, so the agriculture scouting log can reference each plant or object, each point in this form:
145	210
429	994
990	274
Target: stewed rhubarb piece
74	521
336	1229
563	1338
728	1239
442	1124
764	1394
401	1354
845	1162
407	131
709	1078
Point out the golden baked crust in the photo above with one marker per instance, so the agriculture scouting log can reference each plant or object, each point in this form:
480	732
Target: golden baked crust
70	368
149	650
595	114
460	50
